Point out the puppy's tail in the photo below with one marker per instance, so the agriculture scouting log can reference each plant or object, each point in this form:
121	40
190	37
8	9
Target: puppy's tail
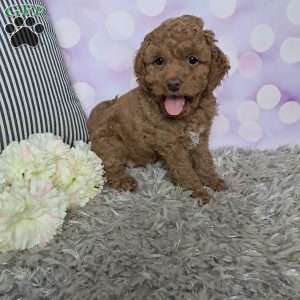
108	103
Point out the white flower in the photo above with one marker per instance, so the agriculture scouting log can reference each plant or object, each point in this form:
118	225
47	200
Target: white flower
2	182
30	214
81	175
49	143
23	160
39	179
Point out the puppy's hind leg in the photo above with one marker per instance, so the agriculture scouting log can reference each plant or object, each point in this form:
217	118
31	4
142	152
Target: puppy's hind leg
113	154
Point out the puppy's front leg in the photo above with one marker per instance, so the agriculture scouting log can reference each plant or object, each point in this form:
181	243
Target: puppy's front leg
204	166
181	171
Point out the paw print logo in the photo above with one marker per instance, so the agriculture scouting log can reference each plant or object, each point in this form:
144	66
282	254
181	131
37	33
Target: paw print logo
24	33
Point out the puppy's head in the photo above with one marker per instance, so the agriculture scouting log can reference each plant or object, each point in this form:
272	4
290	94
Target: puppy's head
178	63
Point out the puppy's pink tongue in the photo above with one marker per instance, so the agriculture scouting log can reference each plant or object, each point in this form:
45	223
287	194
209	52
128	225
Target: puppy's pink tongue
174	105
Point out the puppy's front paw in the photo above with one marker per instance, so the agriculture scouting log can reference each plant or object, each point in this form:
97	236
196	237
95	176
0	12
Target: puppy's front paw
124	183
219	185
203	195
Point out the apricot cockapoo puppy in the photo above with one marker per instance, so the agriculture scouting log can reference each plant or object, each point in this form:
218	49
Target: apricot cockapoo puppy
169	115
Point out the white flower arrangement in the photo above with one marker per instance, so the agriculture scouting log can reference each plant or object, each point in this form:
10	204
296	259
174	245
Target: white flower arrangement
40	178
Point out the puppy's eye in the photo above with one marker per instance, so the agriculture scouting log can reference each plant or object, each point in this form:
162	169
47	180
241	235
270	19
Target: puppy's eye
193	60
159	61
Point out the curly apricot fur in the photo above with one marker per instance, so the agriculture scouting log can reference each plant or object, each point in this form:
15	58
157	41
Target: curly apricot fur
135	126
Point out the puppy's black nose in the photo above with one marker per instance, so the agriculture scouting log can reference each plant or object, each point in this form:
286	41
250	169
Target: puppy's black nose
173	85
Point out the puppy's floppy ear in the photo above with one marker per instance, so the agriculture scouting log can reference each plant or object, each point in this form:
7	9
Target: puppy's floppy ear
219	63
139	67
139	64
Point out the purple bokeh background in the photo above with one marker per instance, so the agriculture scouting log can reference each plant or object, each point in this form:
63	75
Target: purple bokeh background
259	101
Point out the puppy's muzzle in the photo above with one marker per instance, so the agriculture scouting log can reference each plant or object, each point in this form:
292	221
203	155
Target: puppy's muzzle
173	85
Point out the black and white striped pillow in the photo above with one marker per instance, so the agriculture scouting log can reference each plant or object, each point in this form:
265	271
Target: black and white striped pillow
36	94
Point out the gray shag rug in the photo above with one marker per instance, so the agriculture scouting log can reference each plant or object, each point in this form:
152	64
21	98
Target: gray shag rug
158	243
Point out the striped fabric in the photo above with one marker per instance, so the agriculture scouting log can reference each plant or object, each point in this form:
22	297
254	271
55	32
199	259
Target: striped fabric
36	95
